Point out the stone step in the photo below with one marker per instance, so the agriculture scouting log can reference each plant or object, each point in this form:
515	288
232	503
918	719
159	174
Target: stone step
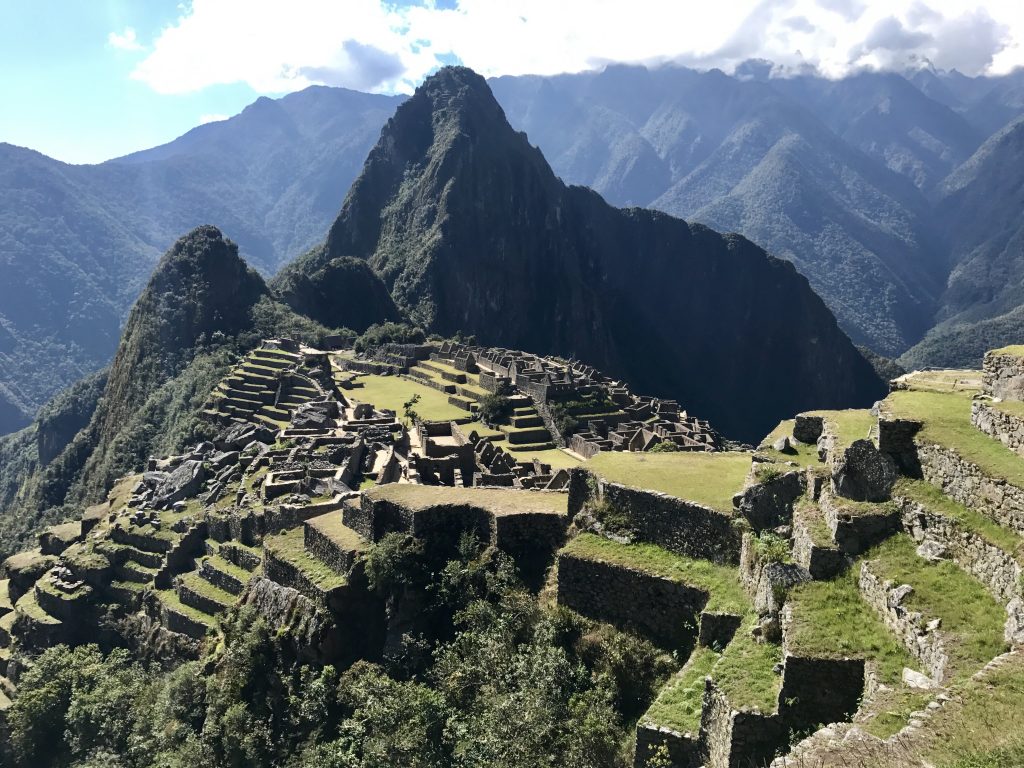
224	574
196	592
181	618
245	557
333	543
266	421
130	571
270	361
529	447
278	414
260	379
259	370
527	436
521	422
125	592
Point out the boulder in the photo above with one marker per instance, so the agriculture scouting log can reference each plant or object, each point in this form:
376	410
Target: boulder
183	483
917	680
1015	621
782	445
932	551
807	429
862	473
317	415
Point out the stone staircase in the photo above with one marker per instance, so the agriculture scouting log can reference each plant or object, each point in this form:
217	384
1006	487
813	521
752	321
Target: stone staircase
525	431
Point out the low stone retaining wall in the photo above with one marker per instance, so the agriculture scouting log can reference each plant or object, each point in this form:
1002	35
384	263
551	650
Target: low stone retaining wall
769	504
716	630
328	551
821	561
996	569
182	623
655	745
194	599
855	528
819	690
226	581
240	556
925	644
965	482
664	610
683	527
998	424
738	739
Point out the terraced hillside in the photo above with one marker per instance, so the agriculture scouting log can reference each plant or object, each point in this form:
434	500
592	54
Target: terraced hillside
850	590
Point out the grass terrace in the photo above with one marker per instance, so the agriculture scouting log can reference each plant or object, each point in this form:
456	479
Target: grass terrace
1011	407
745	673
934	499
170	598
290	547
557	458
946	420
969	614
392	392
952	380
848	425
806	455
678	705
705	478
720	581
831	620
1014	350
499	501
333	527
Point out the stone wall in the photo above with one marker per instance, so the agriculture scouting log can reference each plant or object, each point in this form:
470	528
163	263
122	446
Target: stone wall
683	527
921	638
769	504
965	482
655	745
822	561
896	440
856	527
1002	376
999	571
663	610
819	690
1004	427
738	739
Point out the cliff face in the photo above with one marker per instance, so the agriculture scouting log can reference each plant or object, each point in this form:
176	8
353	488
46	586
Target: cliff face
471	231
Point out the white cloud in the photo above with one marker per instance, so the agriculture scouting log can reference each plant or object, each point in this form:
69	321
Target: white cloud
204	119
375	45
124	41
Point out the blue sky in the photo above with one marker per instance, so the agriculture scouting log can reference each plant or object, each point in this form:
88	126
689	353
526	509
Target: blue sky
87	80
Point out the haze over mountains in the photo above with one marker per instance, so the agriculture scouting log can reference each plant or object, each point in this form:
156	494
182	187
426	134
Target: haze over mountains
870	185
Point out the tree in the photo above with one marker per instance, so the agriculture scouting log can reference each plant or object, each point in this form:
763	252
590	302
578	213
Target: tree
408	408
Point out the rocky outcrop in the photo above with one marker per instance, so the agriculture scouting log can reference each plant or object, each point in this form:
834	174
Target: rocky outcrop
863	473
1003	375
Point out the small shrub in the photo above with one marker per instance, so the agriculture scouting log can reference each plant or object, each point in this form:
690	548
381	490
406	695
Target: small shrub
772	548
665	446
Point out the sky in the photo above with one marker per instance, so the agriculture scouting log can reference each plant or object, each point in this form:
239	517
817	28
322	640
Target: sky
88	80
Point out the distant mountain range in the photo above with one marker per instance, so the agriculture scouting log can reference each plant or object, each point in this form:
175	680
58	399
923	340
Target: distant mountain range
892	194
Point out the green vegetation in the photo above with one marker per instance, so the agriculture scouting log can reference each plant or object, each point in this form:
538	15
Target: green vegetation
772	548
393	392
499	501
848	425
721	582
934	499
1015	350
970	615
494	409
290	547
568	691
946	420
568	414
706	478
804	454
679	703
746	672
556	457
388	333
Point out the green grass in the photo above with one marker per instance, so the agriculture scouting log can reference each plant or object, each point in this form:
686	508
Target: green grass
946	420
848	425
290	547
813	519
1015	350
392	392
806	454
745	671
29	606
556	457
970	615
170	598
333	527
720	581
831	620
706	478
944	381
678	705
202	587
935	500
1014	408
499	501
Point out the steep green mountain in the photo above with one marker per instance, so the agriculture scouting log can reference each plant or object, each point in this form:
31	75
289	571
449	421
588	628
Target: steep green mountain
982	203
471	231
77	243
768	158
202	307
